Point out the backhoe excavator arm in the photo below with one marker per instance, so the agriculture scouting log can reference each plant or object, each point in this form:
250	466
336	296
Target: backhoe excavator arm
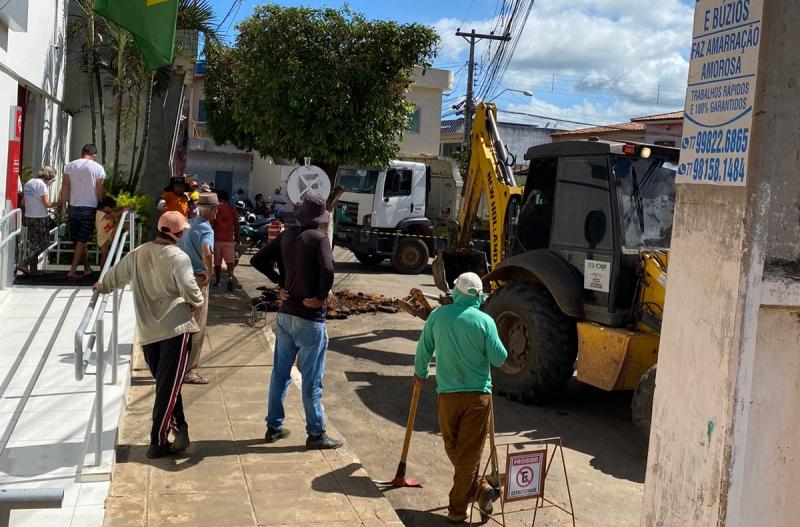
489	174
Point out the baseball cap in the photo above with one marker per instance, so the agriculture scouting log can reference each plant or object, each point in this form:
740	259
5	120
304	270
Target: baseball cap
171	223
469	284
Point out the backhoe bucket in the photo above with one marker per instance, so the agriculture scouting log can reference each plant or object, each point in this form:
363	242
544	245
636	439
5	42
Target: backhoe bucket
450	264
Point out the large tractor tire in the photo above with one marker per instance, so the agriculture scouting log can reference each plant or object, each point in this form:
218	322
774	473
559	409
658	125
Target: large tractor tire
642	403
370	259
411	256
542	343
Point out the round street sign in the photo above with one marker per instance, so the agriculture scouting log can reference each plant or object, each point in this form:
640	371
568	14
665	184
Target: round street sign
307	179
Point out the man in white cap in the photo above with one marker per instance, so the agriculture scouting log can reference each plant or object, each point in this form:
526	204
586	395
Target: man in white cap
165	294
465	342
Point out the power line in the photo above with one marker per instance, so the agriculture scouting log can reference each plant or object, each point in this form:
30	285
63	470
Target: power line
564	120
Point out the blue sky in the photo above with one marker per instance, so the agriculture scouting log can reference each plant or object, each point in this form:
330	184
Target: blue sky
590	61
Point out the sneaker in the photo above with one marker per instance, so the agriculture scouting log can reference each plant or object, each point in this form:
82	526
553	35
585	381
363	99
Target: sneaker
157	451
322	442
485	502
181	441
456	518
275	434
230	285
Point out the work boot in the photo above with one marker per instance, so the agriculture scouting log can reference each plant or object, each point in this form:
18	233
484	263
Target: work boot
181	441
276	434
456	518
157	451
322	442
485	502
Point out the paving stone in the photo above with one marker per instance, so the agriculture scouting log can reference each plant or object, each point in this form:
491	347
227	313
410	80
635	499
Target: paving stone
208	474
298	507
304	476
125	511
231	509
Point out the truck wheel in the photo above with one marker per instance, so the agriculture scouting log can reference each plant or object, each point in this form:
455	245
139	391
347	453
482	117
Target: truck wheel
642	403
411	256
369	259
542	343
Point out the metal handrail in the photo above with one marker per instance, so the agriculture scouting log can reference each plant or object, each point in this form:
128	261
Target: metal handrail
11	235
97	306
28	499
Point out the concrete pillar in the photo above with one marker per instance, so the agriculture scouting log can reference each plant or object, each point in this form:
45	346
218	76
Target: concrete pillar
725	442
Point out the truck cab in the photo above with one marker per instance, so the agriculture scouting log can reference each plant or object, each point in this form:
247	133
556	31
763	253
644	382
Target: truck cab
382	214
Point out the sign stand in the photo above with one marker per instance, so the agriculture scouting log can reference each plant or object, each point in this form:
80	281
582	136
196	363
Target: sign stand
526	471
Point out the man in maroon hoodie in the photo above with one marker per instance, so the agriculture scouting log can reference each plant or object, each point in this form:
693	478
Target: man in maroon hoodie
304	272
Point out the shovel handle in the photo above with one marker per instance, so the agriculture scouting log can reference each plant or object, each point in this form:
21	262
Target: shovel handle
412	414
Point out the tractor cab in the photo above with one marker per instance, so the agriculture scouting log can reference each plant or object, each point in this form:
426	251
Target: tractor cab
599	205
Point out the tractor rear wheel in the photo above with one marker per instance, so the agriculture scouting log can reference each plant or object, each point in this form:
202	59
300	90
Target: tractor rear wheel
369	259
642	403
542	343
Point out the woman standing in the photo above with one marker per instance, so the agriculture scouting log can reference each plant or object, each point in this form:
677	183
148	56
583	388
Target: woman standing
37	218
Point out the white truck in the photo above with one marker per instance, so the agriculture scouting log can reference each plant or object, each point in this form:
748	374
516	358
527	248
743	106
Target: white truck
403	212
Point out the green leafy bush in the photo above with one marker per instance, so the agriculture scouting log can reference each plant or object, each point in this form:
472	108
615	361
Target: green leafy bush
139	203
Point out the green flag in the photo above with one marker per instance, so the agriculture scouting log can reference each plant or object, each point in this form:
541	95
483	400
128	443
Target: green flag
151	22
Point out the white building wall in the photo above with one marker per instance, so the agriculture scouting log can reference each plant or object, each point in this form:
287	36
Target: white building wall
32	55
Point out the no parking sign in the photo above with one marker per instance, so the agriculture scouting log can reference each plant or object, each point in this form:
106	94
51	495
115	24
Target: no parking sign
525	475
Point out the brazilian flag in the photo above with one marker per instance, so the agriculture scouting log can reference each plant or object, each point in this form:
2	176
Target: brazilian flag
151	22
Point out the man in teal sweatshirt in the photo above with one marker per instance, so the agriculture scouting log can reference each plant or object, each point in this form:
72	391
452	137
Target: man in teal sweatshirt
465	342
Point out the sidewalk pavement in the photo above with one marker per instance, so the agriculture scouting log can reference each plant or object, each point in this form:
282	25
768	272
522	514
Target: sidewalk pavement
229	476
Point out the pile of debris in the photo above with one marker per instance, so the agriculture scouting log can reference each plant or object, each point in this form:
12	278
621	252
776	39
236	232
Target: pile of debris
341	305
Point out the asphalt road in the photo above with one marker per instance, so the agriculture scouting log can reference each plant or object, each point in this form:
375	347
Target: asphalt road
368	389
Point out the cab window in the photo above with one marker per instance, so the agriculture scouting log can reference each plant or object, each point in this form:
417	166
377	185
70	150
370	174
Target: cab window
398	183
583	215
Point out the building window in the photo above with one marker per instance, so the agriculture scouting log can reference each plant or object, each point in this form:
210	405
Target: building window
413	121
202	117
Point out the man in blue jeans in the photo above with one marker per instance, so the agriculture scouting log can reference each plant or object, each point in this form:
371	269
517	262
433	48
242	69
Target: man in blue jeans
305	274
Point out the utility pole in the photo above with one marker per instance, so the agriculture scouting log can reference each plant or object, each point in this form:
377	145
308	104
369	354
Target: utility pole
469	108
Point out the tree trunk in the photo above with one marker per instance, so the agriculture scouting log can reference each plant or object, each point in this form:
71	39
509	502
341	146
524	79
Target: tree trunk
138	103
90	68
145	132
99	85
120	75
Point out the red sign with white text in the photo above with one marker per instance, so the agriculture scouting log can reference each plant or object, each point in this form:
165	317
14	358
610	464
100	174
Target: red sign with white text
14	156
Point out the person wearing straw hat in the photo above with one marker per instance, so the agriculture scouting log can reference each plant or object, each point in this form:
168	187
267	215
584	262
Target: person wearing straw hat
165	294
174	197
305	275
466	344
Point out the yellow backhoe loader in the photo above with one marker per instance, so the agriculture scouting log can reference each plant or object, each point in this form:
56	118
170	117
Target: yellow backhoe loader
578	261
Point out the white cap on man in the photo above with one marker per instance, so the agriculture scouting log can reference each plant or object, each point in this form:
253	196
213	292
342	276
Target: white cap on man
469	284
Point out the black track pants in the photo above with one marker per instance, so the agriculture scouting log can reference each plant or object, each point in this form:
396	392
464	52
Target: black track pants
167	361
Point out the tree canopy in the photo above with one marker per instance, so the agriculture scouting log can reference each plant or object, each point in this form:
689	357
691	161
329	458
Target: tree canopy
323	83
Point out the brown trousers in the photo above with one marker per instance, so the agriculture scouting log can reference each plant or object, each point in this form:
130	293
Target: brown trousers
200	316
464	422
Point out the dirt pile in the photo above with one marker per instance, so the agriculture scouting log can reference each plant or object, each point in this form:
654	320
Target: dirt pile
341	305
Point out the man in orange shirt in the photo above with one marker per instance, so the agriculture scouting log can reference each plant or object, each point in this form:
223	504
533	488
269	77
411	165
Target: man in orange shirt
174	197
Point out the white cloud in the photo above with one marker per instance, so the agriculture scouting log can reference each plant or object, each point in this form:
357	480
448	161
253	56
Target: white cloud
614	58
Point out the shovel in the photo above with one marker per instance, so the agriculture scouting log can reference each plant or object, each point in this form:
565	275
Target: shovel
400	479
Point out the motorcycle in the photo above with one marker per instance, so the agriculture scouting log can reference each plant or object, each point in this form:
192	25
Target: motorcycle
254	234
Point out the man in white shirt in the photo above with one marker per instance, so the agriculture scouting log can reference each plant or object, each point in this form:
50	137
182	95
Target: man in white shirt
82	187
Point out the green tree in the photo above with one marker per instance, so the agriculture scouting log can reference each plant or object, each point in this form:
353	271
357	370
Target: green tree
323	83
